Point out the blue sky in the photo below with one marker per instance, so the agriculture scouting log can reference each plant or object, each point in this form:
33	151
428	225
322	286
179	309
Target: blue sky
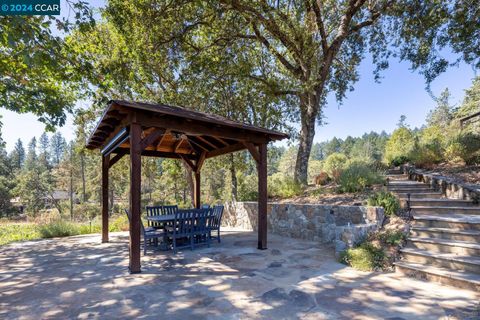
370	107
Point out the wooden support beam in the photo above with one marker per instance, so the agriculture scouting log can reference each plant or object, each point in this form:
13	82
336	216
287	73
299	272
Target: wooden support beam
262	197
116	158
151	138
105	166
253	151
190	138
231	148
167	132
188	126
200	161
177	145
188	162
135	184
206	142
225	143
196	191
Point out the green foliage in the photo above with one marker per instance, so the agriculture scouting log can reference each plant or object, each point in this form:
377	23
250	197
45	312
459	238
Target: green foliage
365	257
385	200
283	187
400	144
392	237
399	160
58	228
357	176
334	165
464	146
11	232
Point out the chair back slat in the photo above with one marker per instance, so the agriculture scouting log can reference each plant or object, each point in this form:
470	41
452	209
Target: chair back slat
183	223
217	216
159	211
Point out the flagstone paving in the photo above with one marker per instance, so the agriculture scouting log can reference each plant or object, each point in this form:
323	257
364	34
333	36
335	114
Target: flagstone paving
81	278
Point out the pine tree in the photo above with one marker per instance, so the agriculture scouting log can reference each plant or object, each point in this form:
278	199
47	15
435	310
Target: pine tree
17	156
57	147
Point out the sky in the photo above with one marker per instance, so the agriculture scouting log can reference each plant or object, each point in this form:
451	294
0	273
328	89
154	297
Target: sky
370	107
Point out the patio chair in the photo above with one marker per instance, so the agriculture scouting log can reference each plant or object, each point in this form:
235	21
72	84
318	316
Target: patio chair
148	234
205	206
201	220
182	229
215	222
158	211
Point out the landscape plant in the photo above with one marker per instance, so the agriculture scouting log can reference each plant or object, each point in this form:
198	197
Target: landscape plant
386	200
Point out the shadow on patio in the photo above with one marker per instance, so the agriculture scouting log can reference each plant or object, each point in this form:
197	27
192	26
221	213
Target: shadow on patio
78	277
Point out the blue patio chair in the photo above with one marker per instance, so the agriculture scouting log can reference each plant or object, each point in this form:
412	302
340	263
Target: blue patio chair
181	230
205	206
201	220
158	211
148	234
216	221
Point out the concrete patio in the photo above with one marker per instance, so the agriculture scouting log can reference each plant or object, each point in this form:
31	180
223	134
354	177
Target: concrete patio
79	277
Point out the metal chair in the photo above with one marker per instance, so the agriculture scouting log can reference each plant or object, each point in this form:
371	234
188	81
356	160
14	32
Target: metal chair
217	212
148	234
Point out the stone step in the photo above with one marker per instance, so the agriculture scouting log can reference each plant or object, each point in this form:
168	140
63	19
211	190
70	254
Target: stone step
444	260
445	233
406	183
411	189
459	279
444	245
440	202
453	221
420	195
445	210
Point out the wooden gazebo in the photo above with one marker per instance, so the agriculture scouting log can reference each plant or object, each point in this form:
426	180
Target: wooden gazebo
159	130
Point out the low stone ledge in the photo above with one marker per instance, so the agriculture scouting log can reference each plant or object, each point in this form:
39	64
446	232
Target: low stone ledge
447	186
323	223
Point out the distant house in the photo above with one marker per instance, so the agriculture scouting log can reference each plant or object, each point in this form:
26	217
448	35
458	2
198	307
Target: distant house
50	199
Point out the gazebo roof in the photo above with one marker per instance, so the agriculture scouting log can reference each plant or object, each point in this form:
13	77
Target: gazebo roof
175	131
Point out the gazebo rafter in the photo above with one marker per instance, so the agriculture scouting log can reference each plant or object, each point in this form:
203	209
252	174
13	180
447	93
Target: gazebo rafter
157	130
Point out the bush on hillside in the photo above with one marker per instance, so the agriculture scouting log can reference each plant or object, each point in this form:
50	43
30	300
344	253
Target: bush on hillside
464	146
385	200
358	176
334	165
400	144
283	187
399	160
365	257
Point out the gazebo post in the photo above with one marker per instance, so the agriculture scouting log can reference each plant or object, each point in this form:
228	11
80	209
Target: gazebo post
196	193
135	184
105	167
262	196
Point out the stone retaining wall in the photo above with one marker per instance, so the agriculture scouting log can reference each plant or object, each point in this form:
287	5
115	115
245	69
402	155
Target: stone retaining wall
343	225
449	188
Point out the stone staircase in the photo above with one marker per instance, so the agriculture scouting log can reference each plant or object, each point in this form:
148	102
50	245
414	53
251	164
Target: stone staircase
444	241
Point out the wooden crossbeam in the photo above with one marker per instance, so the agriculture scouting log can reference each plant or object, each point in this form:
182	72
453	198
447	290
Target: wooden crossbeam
226	144
197	144
200	161
253	150
206	142
188	162
177	145
116	158
231	148
148	140
167	132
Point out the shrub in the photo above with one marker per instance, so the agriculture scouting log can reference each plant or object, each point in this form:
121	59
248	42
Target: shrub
119	223
400	144
365	257
399	160
385	200
357	176
464	146
321	179
58	228
283	187
392	237
247	188
334	165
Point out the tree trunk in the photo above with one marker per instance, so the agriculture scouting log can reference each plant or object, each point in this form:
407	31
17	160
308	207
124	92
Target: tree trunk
82	165
233	173
309	106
